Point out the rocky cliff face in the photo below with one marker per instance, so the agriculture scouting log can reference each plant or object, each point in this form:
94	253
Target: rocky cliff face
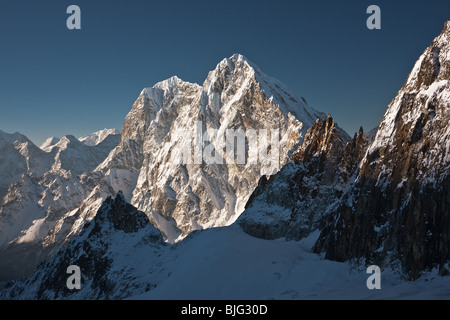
292	203
399	207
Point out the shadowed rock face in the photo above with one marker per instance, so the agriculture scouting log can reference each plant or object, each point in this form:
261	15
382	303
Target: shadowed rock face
122	215
382	226
399	207
291	203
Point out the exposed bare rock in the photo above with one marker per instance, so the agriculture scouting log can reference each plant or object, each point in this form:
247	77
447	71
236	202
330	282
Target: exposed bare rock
291	203
399	207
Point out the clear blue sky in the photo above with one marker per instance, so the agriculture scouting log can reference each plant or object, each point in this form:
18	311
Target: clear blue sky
55	81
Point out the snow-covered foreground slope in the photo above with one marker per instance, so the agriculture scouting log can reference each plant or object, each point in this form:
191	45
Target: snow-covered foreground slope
227	263
122	256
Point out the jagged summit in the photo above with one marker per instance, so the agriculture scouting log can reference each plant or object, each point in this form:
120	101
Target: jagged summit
237	61
66	140
419	114
292	203
244	75
434	65
242	71
123	216
106	136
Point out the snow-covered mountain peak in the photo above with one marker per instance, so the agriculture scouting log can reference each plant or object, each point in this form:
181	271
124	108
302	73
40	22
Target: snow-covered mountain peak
236	61
237	75
65	141
90	140
48	144
171	84
168	86
18	156
98	137
117	228
236	64
231	75
446	27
